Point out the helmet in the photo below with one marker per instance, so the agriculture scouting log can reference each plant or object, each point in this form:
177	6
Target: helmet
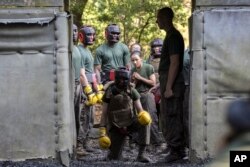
122	77
156	46
75	33
86	33
113	33
238	115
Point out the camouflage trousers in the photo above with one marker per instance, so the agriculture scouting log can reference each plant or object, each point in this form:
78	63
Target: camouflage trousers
118	137
171	115
148	104
86	122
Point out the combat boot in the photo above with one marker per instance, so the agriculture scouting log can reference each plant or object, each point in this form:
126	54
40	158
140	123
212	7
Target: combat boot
81	152
176	154
142	157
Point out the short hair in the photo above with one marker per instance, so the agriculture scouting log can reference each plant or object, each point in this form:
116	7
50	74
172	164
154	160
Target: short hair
167	12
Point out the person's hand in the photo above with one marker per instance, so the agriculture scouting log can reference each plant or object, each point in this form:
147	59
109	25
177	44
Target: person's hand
137	76
104	140
153	89
144	118
168	93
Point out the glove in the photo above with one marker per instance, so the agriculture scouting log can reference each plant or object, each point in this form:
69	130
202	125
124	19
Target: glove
87	89
100	87
104	140
144	118
91	97
100	93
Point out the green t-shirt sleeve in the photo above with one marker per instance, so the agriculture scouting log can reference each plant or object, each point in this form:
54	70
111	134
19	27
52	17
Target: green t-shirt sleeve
150	70
98	57
126	55
135	94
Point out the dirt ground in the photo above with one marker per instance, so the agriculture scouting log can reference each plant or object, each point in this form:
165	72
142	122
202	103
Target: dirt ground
97	159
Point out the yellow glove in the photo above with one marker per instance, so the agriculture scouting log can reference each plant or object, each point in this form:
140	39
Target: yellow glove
144	118
91	97
99	96
104	140
100	87
100	93
87	89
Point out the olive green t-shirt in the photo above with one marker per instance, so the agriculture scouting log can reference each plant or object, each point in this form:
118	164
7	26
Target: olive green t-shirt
108	93
112	57
145	71
87	59
76	62
173	44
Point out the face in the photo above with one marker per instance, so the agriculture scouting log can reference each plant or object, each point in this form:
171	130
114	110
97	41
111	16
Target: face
159	21
157	50
90	37
136	60
75	33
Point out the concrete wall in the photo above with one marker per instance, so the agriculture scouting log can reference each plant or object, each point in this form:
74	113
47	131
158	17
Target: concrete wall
220	69
36	113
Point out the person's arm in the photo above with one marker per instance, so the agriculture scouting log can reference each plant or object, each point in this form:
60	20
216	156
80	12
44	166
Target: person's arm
97	69
98	64
83	78
126	58
151	81
138	106
172	73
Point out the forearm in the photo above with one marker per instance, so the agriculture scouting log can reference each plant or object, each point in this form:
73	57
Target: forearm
148	81
97	72
138	105
83	78
173	70
172	73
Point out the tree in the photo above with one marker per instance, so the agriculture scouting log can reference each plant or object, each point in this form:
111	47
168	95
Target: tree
77	8
136	18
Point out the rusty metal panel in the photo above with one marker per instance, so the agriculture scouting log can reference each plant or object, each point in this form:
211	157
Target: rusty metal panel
32	3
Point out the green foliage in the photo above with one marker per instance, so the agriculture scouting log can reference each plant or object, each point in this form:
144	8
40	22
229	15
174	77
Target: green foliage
77	8
136	18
